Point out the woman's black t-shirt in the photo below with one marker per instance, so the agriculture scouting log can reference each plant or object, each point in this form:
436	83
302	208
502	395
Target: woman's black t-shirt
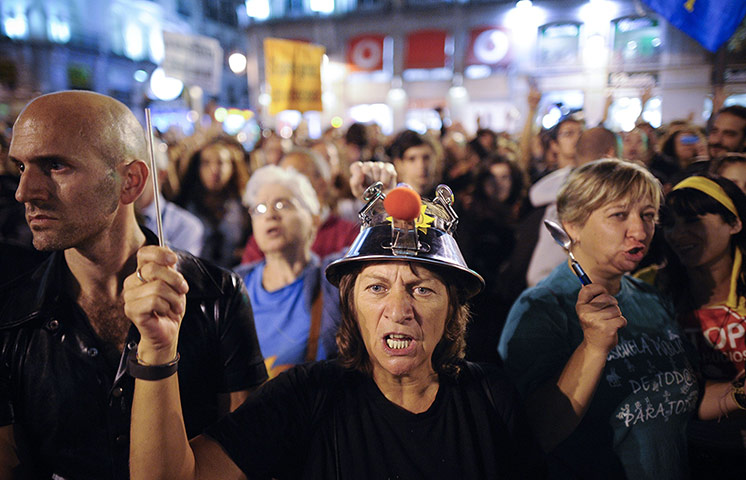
323	421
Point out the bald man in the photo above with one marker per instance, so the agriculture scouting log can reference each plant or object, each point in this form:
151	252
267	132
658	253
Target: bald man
596	143
65	388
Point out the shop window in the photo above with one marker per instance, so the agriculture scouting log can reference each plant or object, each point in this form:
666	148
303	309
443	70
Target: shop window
559	104
258	9
15	22
322	6
625	111
421	120
637	40
134	43
58	28
558	43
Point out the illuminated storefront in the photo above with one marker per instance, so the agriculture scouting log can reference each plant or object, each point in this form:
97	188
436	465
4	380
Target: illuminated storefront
388	61
478	59
116	47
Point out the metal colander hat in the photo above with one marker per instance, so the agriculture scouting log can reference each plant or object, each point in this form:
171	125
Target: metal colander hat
402	229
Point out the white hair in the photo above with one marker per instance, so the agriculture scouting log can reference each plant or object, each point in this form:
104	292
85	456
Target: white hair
289	178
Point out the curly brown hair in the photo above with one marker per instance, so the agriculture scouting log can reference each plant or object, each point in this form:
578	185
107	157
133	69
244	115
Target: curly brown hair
448	353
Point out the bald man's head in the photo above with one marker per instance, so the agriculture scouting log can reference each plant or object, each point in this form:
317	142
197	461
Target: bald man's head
596	143
92	120
80	154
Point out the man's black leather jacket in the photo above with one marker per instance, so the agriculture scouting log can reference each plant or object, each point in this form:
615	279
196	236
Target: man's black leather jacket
66	393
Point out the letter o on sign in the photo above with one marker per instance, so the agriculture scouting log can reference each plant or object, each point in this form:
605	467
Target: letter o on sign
367	54
491	46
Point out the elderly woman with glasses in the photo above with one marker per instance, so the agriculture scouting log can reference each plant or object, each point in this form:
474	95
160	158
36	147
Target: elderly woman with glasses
398	402
295	308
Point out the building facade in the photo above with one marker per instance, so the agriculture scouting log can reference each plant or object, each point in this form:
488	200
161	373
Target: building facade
115	47
392	62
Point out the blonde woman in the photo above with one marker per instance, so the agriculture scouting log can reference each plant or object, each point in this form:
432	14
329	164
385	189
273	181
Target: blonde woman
606	370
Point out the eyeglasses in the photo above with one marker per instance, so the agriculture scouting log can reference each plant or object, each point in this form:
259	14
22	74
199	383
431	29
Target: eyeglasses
276	205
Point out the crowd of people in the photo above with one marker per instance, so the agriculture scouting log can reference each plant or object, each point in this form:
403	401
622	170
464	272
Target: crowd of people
357	328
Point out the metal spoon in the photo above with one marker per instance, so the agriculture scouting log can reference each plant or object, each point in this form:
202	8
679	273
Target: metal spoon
563	240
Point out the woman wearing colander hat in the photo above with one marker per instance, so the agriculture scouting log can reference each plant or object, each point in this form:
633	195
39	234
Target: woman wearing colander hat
399	402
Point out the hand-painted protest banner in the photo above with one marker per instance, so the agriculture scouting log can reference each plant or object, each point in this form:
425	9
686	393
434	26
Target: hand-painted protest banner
293	72
193	59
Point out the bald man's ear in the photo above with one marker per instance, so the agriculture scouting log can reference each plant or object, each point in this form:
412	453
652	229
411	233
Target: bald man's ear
135	179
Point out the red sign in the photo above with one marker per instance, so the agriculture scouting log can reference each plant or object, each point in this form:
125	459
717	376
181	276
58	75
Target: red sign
365	53
488	46
426	49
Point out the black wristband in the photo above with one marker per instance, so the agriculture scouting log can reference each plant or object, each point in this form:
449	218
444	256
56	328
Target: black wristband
150	372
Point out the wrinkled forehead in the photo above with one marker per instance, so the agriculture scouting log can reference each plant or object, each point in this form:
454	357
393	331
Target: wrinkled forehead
50	118
38	133
76	126
394	268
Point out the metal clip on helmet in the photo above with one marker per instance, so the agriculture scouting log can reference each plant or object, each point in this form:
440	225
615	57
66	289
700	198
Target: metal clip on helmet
401	226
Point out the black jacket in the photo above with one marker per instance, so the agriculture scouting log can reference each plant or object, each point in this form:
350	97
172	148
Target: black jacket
67	393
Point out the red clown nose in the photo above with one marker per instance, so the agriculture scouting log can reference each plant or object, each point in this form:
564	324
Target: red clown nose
403	203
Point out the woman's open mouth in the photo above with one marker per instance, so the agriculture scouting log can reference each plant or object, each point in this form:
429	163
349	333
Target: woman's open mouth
635	254
397	343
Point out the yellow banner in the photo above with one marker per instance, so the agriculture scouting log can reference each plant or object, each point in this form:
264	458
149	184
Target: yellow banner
293	72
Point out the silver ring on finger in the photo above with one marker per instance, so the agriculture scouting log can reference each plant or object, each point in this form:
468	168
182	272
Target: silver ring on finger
140	277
